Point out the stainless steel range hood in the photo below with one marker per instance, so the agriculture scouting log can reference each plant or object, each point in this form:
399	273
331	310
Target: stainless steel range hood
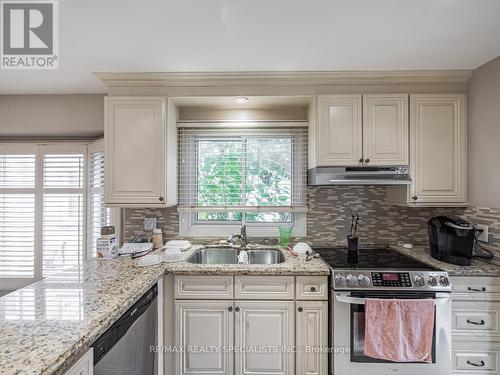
359	176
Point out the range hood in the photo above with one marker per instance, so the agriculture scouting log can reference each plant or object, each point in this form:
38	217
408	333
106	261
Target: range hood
397	175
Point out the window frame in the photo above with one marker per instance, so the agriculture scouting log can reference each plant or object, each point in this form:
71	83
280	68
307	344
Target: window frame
190	226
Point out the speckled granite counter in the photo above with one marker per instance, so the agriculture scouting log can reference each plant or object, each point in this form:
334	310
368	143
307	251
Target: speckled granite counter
478	267
46	326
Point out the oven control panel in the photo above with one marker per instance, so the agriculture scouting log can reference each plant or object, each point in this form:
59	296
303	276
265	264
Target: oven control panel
390	279
394	279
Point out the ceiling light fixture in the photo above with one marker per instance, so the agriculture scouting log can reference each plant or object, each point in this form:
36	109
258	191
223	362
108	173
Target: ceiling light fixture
240	100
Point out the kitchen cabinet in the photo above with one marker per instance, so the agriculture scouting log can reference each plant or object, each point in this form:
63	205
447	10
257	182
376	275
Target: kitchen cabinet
476	325
267	329
311	333
385	129
84	366
355	130
438	157
140	152
204	329
338	136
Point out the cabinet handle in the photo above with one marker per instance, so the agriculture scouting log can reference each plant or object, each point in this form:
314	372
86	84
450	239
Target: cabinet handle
483	289
237	309
361	160
481	323
300	309
313	289
367	160
230	308
160	199
480	364
414	197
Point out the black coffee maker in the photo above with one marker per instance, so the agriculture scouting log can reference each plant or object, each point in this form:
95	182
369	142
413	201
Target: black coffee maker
451	240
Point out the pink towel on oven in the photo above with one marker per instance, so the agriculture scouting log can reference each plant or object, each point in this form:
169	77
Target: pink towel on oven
399	330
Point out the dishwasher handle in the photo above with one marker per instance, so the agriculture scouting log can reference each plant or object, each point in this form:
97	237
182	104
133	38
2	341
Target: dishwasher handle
114	333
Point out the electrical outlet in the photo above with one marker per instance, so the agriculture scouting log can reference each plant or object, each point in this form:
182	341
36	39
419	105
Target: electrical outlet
150	223
483	236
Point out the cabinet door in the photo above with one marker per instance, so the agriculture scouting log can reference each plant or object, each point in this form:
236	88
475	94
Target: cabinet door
266	330
385	129
438	152
135	139
338	136
84	366
208	328
312	333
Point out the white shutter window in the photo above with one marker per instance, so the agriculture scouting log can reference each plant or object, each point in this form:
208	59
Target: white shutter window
63	205
98	214
17	220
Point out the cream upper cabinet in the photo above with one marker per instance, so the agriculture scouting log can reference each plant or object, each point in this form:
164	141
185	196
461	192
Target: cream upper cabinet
137	143
311	332
385	129
264	324
204	324
438	148
338	131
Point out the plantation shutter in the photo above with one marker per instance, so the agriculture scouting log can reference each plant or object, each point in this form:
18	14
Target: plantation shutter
238	168
63	208
17	215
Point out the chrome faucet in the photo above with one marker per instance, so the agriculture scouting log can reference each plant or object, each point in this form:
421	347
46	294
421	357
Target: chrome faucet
242	237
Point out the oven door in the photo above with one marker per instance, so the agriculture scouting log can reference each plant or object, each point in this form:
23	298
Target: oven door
348	336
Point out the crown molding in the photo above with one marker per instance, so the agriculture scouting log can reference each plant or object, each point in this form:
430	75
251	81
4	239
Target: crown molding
248	79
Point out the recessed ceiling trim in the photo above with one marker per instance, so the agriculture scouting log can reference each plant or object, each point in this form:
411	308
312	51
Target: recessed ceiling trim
229	79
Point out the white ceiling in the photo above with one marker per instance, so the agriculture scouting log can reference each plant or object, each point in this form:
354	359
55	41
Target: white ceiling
262	35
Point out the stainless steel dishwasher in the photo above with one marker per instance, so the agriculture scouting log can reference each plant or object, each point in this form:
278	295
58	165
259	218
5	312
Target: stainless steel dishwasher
125	347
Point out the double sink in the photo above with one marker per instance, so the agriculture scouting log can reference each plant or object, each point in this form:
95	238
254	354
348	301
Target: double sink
229	255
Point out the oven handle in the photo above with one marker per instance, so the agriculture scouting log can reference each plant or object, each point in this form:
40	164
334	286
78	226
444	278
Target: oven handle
361	301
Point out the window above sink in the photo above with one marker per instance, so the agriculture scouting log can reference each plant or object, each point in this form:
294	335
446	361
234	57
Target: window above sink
239	175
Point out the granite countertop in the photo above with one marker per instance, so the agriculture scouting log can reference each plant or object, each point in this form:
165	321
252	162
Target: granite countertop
479	267
47	325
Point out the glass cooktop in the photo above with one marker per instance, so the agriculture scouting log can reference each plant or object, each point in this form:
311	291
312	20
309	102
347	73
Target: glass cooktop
373	258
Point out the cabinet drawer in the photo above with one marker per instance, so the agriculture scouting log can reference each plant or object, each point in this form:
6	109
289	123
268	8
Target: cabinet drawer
311	288
476	288
475	361
204	287
476	318
264	287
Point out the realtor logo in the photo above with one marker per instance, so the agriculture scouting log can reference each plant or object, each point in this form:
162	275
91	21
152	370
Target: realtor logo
29	37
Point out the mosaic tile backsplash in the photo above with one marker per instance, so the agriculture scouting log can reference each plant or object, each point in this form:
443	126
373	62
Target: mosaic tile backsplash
329	214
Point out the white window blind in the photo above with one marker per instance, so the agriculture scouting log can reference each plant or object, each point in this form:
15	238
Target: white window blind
229	171
98	214
17	219
63	204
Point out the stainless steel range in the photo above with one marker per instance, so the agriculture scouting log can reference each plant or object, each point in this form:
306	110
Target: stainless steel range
383	273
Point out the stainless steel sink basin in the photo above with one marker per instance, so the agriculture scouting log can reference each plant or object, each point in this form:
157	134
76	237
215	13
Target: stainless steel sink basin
214	255
265	256
225	255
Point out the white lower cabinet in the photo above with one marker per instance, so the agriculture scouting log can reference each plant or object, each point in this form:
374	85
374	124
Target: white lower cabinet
204	329
84	366
311	335
265	332
476	326
246	336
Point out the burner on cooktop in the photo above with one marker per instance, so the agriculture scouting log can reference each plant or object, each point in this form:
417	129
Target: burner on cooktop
381	258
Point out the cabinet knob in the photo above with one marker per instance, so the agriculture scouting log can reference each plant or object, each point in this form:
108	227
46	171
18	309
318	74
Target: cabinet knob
230	308
237	309
367	160
361	160
414	197
160	199
313	289
300	309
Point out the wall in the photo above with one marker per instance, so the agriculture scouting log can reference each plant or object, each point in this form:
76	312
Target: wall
328	217
484	136
51	116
